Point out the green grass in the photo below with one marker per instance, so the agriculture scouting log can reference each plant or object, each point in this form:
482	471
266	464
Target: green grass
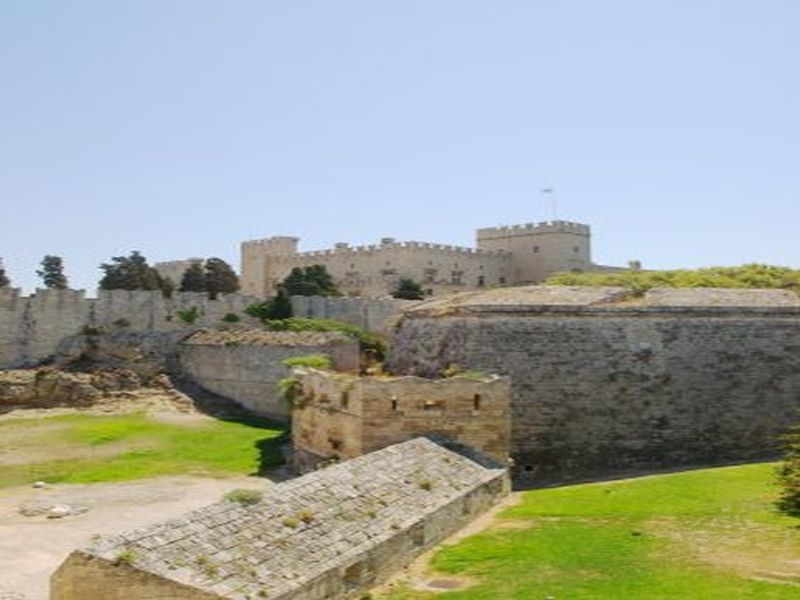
709	534
133	446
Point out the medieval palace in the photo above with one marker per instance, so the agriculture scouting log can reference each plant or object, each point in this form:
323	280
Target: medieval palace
515	255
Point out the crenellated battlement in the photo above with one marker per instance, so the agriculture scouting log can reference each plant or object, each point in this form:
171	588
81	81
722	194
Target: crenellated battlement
534	228
372	249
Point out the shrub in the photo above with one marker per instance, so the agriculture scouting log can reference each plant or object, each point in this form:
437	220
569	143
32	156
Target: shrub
189	316
92	330
278	307
244	496
314	361
744	276
125	557
408	289
306	516
231	318
289	388
426	485
291	522
788	475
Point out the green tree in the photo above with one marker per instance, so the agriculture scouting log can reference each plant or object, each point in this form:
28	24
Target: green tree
277	307
52	272
194	279
220	278
4	280
132	273
788	475
408	289
309	281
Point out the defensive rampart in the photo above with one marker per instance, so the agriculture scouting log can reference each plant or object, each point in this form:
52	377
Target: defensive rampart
605	381
32	327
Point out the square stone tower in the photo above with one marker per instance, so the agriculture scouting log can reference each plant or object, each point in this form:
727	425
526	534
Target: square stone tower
259	273
540	249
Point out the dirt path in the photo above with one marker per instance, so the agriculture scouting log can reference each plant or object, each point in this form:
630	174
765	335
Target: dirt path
31	548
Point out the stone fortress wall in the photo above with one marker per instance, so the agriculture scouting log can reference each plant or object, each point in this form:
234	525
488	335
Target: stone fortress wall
605	381
32	327
504	256
338	417
246	366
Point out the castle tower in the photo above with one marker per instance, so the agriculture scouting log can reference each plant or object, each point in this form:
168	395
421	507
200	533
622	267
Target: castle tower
540	249
259	268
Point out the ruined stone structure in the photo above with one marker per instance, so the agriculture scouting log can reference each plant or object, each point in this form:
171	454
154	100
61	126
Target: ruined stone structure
246	366
503	256
328	535
605	380
337	416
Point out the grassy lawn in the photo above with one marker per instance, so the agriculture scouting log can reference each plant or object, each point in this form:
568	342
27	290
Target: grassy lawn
90	448
708	534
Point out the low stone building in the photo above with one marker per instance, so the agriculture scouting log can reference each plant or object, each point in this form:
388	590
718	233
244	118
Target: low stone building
247	365
607	380
328	535
337	416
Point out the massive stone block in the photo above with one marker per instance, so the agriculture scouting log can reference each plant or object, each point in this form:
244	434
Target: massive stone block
605	381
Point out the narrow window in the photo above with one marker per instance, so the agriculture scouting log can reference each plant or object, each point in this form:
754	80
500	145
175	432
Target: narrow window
345	399
502	281
536	249
576	249
481	281
394	405
476	402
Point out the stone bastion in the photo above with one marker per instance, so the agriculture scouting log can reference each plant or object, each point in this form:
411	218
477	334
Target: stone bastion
605	380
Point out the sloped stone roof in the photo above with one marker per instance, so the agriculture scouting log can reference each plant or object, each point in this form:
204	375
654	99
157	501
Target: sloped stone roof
606	299
304	527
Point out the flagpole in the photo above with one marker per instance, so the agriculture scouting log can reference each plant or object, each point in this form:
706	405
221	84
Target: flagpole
553	200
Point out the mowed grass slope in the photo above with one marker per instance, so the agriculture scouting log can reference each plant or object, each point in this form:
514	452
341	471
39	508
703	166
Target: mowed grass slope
91	448
708	534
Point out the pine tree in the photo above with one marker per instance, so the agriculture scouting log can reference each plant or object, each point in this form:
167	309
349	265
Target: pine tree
194	279
130	273
52	273
220	278
4	280
408	289
309	281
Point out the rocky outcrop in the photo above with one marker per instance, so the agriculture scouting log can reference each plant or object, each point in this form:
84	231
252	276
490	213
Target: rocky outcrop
47	387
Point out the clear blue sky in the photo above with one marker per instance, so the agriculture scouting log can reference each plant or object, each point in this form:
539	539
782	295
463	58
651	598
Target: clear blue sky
181	127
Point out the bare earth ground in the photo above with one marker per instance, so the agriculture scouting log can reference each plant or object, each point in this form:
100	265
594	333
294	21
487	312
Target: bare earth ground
31	548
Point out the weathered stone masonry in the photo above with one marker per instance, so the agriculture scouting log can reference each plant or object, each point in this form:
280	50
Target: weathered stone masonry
606	382
246	366
329	535
338	416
